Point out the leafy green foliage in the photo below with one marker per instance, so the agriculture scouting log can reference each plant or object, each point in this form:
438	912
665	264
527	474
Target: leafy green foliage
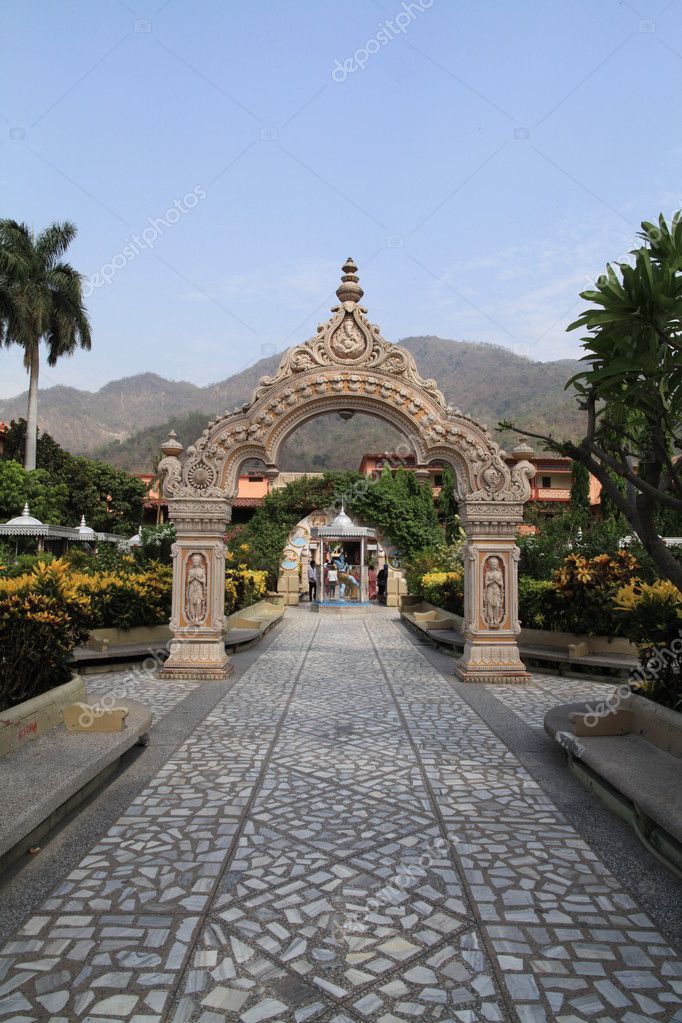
110	498
47	498
635	335
49	454
652	618
538	603
447	508
566	533
156	543
243	587
579	598
444	589
402	508
43	616
20	564
443	558
580	490
395	503
259	543
631	387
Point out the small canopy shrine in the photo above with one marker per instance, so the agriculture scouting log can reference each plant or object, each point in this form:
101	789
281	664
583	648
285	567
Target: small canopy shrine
28	532
344	569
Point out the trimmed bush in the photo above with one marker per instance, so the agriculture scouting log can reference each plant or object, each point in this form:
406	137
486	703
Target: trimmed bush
652	618
444	589
126	600
243	587
586	589
538	604
46	613
43	616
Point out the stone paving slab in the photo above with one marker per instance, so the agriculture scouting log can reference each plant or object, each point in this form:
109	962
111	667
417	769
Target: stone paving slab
342	838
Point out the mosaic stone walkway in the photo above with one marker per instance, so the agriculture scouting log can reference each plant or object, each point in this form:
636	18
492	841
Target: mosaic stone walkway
137	685
341	839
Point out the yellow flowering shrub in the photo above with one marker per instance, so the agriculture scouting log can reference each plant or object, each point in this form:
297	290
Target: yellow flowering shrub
585	588
652	618
127	599
43	616
46	613
444	589
651	612
243	587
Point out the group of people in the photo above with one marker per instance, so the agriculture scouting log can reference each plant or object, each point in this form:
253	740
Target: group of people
340	576
378	583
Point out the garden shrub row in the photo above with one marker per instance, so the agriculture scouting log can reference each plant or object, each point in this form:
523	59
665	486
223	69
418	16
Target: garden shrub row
602	595
596	596
47	612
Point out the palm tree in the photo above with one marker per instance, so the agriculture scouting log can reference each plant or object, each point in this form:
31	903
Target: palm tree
41	299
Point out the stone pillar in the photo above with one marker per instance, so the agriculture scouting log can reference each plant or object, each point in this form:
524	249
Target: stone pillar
198	613
491	594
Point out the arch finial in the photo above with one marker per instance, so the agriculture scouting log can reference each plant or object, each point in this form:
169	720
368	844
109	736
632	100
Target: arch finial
349	289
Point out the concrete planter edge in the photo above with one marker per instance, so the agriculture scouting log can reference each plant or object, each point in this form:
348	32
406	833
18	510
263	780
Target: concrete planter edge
33	718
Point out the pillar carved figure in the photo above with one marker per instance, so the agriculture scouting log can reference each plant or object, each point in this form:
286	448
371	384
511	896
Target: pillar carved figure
347	367
197	622
491	607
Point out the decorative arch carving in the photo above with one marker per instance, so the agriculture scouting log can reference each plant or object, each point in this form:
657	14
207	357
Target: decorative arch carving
349	366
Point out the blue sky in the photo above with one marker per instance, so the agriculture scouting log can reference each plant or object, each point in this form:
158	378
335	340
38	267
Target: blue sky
479	160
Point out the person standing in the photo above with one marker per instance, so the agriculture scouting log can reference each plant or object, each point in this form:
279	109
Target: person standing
382	583
331	579
372	582
312	581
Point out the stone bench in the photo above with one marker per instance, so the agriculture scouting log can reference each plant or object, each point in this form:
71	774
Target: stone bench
543	650
636	751
250	624
45	779
243	629
431	619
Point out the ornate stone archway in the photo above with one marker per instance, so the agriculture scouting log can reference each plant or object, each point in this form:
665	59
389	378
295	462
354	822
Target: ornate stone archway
346	367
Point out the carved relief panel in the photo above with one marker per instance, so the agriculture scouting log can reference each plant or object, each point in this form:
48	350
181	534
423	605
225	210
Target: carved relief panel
493	592
196	589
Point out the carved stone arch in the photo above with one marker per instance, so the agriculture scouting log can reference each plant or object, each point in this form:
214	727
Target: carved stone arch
268	450
349	366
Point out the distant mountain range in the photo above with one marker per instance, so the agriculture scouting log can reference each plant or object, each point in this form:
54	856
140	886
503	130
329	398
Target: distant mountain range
126	420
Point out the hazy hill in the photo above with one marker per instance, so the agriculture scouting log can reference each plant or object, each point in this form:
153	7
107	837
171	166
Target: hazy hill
126	420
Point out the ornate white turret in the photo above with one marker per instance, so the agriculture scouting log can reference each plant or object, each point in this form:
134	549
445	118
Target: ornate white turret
25	519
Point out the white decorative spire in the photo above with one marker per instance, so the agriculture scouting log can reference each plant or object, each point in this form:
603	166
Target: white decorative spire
84	529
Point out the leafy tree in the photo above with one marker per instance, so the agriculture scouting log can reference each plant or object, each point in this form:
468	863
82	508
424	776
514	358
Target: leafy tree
156	543
47	500
669	522
395	503
259	543
110	498
447	508
49	455
631	388
402	509
580	490
41	299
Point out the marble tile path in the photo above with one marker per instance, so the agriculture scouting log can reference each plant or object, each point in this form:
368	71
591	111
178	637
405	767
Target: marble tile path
341	839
